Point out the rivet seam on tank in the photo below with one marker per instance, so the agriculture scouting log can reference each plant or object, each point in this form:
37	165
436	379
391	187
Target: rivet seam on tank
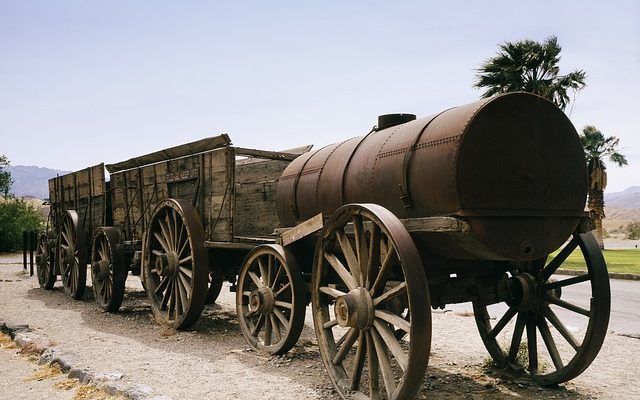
375	161
324	163
431	143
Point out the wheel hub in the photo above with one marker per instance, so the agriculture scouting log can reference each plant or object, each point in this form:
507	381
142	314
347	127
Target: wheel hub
261	300
523	291
167	264
41	260
355	309
100	269
69	254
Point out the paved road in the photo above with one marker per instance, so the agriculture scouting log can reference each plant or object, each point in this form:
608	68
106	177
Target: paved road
625	306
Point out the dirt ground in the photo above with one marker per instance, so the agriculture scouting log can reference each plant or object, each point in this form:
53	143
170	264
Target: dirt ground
212	360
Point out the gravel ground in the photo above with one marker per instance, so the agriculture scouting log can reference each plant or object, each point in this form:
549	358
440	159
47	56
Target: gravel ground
144	360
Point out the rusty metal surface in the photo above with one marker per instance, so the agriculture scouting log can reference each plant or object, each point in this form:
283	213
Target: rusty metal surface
512	166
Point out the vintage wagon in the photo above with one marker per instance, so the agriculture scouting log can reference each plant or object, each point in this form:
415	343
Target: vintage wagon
468	205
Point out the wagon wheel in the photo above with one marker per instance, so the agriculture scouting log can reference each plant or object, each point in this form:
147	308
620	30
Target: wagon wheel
44	266
355	277
270	299
216	279
536	300
108	272
176	264
72	255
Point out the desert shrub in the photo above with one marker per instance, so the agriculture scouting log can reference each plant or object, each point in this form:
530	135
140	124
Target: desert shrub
633	231
16	216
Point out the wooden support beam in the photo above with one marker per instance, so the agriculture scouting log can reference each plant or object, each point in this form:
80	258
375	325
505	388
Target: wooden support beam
182	150
303	229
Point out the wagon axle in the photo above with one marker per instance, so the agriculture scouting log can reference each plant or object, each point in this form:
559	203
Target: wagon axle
524	291
355	309
100	269
261	300
167	264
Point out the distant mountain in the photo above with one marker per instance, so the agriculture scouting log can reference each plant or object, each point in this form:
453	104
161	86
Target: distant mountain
32	180
628	198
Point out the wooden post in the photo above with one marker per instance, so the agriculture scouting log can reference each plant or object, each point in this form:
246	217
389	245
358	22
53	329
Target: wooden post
32	245
24	249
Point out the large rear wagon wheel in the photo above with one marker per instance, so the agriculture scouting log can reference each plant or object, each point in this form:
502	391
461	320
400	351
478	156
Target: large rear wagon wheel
359	282
108	272
44	264
176	264
72	255
270	299
559	312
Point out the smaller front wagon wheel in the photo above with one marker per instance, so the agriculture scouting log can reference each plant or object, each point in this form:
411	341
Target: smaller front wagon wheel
270	299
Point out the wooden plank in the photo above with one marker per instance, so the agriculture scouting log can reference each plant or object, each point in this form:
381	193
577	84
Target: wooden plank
183	150
436	225
303	229
272	155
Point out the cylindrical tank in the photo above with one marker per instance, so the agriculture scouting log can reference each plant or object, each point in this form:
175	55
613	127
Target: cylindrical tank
512	166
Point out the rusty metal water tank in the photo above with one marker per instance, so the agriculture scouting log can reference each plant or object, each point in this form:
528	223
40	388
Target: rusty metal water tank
512	166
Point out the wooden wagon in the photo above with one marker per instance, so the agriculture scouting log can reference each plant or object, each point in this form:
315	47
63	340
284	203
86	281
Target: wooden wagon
467	205
189	214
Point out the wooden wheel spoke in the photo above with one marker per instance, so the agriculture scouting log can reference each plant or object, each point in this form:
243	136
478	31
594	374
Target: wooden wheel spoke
184	288
330	324
277	277
385	364
350	256
276	328
184	246
180	239
185	260
256	280
162	286
177	289
335	293
392	343
395	320
341	270
162	242
567	282
344	345
372	364
394	292
165	235
373	258
267	331
174	225
283	319
551	316
566	305
169	233
186	271
270	262
258	325
157	253
362	253
532	343
359	359
283	304
551	268
508	316
263	272
516	339
550	343
282	290
390	260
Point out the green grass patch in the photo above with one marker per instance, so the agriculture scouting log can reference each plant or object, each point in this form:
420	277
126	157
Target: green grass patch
622	261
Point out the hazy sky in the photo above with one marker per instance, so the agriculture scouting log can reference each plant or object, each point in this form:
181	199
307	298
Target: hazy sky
83	82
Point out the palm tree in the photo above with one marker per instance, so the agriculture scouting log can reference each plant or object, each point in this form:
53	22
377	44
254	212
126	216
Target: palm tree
531	67
596	149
